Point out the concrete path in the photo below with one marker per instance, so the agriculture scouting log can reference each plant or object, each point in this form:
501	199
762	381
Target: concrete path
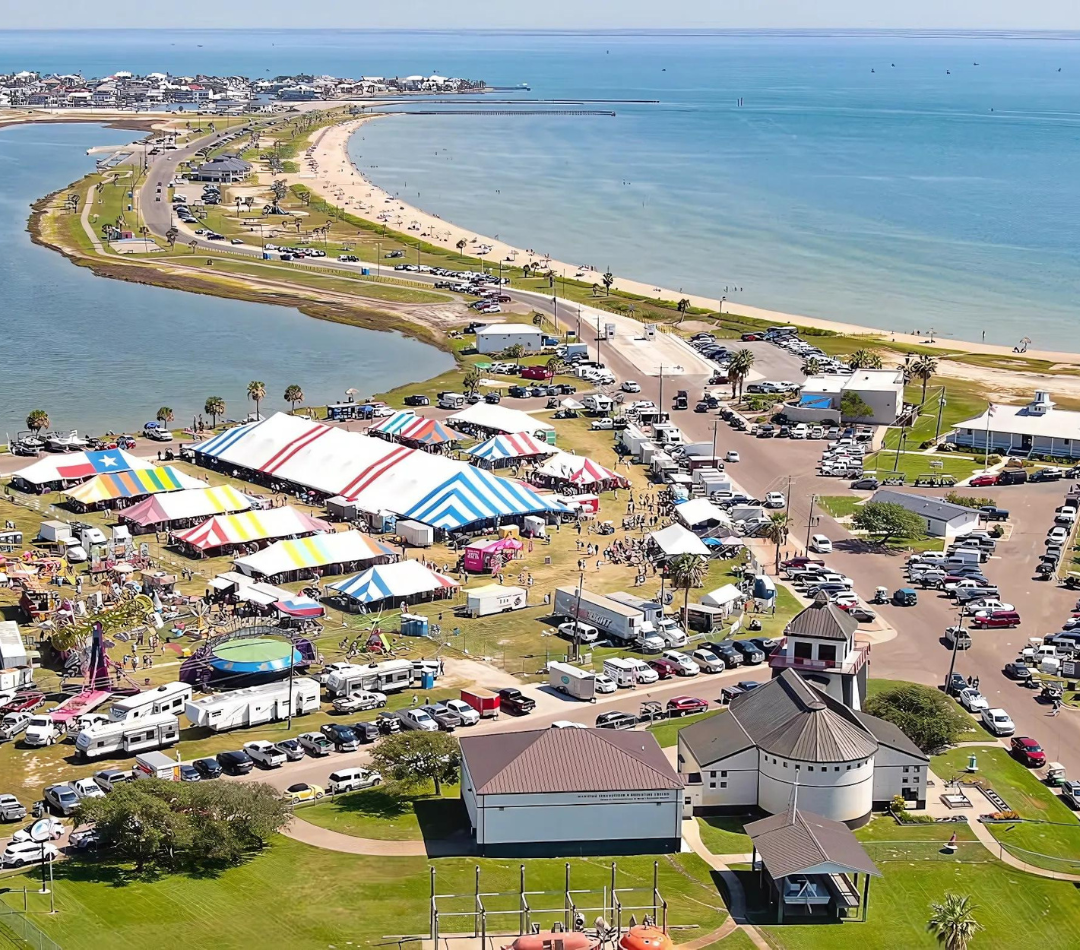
992	845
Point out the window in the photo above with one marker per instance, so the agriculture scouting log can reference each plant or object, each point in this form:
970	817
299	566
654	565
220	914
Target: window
723	784
906	770
723	775
827	651
810	768
785	765
712	784
804	650
836	768
713	774
847	767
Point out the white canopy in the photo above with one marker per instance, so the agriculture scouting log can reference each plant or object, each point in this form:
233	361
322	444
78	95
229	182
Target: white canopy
675	539
699	511
499	419
723	596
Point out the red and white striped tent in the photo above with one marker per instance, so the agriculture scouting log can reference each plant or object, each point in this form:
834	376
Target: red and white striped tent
504	449
564	469
407	427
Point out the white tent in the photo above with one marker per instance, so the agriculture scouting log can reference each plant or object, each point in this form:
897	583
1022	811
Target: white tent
726	596
74	467
675	540
701	511
495	418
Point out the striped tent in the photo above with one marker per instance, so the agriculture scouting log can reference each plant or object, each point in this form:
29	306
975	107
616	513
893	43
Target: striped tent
475	495
174	509
132	484
407	426
509	447
246	527
386	581
283	558
566	469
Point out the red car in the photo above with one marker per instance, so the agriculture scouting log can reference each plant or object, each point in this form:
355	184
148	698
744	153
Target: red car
997	619
665	669
25	702
686	706
750	337
1027	751
536	372
797	562
981	481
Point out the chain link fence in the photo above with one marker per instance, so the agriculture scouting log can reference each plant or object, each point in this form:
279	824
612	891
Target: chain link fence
25	932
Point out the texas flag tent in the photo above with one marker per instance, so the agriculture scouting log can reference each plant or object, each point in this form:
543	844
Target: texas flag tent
563	470
62	471
111	488
395	584
507	449
300	606
223	533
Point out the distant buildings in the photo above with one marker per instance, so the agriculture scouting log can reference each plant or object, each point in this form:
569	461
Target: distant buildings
223	169
1039	428
499	336
821	398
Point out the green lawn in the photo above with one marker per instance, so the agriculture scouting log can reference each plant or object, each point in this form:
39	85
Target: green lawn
304	898
724	835
914	463
389	814
883	828
1053	839
840	506
667	732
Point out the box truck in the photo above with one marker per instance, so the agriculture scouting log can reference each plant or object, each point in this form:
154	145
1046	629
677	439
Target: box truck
581	684
494	599
254	705
615	619
416	534
386	677
156	765
125	737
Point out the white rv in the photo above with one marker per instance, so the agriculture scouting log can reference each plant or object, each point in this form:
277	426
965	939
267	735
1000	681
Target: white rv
253	705
128	736
386	677
168	698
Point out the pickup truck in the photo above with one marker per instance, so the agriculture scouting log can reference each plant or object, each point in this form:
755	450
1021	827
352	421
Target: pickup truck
23	703
1070	791
992	513
417	719
11	809
513	700
14	724
265	754
315	744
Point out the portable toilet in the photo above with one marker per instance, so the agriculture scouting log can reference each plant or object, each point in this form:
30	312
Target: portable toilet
427	680
414	625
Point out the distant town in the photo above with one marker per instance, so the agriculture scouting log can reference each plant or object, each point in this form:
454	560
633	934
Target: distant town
125	90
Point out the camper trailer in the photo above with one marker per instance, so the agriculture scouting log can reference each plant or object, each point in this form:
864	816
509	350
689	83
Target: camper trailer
168	698
125	737
386	677
253	705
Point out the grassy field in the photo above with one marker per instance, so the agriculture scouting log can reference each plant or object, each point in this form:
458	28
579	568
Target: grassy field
391	814
667	732
1052	838
722	834
308	899
840	506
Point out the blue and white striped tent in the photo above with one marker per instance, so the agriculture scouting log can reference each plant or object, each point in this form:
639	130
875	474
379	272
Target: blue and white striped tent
521	445
476	495
402	579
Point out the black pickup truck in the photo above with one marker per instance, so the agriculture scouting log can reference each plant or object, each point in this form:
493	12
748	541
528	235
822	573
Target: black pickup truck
990	513
512	700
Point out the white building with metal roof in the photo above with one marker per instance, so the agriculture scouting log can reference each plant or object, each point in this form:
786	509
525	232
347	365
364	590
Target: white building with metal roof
942	518
1038	428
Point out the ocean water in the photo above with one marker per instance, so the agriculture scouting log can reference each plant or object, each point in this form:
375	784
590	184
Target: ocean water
99	354
880	179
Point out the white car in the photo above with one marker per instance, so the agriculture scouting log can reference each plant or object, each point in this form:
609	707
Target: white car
775	499
687	667
998	722
972	700
360	702
568	724
20	853
605	684
583	632
469	716
86	788
631	386
801	431
604	423
265	754
731	456
821	544
56	829
987	607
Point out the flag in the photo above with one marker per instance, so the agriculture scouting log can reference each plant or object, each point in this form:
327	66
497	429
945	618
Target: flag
990	409
87	464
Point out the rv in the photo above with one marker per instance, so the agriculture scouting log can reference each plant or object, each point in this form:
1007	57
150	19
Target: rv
253	705
386	677
451	401
169	698
125	737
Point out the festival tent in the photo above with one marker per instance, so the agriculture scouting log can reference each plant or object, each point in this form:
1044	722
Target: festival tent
179	509
58	471
248	527
701	511
495	419
113	486
378	476
300	606
288	560
675	540
566	469
478	555
725	597
406	426
508	448
402	580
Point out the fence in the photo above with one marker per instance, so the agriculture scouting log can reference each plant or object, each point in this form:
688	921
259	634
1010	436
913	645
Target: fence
22	929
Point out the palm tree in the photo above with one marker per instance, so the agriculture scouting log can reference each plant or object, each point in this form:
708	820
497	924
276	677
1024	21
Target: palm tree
738	369
812	367
193	245
214	407
608	279
538	319
953	921
683	305
595	290
864	359
555	365
171	235
293	395
924	368
164	415
37	420
686	571
471	382
256	392
776	531
461	246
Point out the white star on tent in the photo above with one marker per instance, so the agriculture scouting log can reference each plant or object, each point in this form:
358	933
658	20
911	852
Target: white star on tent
109	460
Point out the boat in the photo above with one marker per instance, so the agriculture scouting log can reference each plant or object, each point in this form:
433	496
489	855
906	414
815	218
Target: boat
58	442
30	439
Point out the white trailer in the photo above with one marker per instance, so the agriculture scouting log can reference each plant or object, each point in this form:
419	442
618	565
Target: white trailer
417	534
253	705
598	403
168	698
581	684
128	736
386	677
156	765
615	619
494	599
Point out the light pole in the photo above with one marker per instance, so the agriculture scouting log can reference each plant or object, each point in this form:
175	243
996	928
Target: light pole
378	259
955	646
809	520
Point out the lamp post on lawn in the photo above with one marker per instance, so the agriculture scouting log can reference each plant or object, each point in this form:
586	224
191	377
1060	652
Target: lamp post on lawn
955	646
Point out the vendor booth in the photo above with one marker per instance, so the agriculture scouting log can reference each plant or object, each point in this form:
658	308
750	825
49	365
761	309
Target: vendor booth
479	554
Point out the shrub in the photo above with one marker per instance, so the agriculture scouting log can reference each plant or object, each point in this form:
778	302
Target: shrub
968	501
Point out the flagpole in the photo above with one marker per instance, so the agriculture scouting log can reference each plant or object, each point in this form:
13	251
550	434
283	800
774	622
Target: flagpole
986	457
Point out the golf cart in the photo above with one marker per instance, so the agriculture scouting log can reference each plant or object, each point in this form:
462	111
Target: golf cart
1055	774
881	596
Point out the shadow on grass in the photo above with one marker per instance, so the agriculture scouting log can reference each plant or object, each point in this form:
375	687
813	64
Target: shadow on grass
86	869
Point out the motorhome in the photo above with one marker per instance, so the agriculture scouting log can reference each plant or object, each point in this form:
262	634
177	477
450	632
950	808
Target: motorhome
254	704
124	737
168	698
451	401
386	677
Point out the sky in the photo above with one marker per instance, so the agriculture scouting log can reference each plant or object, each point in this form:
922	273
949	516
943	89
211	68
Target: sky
551	14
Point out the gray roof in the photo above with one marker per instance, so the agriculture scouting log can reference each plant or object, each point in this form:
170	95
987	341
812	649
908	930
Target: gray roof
567	760
791	718
793	842
823	620
715	738
225	163
891	736
923	505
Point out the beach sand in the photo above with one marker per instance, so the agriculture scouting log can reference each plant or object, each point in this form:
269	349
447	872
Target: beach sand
329	171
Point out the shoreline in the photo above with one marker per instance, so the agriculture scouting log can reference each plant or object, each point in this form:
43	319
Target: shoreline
338	179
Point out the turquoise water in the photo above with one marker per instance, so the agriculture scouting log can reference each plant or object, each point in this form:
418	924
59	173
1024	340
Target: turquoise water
99	354
929	193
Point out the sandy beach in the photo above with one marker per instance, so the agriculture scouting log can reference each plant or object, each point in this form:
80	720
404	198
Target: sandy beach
329	171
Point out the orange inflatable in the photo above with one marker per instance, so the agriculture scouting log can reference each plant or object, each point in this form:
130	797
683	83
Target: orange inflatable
645	937
553	940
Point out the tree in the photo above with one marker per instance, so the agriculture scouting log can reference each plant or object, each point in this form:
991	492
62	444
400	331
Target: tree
193	245
471	382
853	406
278	191
538	319
864	359
164	415
887	520
171	235
461	246
595	289
812	367
776	531
924	368
555	365
256	392
608	279
515	352
413	758
214	407
953	921
293	395
686	571
683	305
37	420
926	716
739	368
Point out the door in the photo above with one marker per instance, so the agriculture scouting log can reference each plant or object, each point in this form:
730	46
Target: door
1025	443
